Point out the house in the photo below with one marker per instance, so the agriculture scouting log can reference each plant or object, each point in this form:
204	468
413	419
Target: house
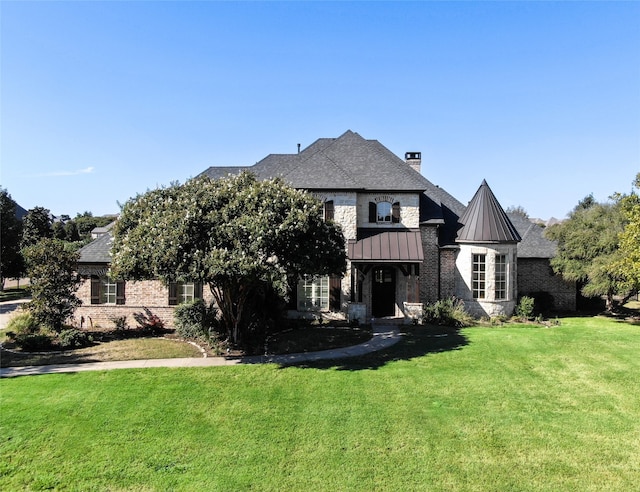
409	242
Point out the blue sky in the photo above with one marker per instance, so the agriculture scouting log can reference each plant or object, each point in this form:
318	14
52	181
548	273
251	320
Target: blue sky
104	100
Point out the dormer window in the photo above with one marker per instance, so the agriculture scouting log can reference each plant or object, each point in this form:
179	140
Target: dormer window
384	212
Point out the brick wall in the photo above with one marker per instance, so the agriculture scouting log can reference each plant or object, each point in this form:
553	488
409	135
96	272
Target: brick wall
430	268
535	275
142	297
447	273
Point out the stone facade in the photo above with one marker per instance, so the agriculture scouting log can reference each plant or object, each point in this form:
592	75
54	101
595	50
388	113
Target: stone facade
488	305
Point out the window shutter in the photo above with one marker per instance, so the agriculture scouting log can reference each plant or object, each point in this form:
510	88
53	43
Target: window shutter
173	294
293	295
328	210
197	290
95	290
373	212
120	298
335	290
395	213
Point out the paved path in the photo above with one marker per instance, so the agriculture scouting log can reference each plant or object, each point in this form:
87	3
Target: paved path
383	336
7	309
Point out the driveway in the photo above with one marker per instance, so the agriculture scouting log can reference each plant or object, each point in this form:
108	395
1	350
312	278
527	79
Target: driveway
7	310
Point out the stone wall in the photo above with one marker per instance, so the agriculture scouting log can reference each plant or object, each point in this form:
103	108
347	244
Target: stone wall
489	305
409	209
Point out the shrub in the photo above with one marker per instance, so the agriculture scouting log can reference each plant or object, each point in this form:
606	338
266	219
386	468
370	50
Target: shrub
524	309
23	324
33	342
447	312
194	319
119	321
148	321
72	338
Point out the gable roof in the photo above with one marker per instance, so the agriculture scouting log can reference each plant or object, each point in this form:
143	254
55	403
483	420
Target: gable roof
534	244
485	221
345	163
98	250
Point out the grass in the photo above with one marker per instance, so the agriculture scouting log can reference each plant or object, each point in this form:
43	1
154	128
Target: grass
307	339
13	294
130	349
518	407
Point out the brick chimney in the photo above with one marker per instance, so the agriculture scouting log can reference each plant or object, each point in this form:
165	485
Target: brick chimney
414	159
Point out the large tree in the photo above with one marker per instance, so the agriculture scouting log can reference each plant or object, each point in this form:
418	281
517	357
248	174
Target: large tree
588	249
236	234
629	264
11	264
52	273
36	225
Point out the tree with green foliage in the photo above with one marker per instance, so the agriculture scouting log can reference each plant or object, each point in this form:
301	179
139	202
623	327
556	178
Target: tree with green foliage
629	264
518	210
58	231
86	222
11	263
239	235
71	231
588	249
52	272
36	225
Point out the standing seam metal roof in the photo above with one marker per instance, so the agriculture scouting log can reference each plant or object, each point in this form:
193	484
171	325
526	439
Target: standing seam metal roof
485	221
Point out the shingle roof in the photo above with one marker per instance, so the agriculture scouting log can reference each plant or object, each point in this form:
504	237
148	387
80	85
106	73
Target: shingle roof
97	251
485	221
533	244
346	162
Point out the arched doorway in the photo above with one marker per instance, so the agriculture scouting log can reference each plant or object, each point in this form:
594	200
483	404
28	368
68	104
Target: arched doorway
383	292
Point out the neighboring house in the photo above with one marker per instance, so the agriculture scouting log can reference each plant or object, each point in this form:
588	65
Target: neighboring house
409	242
96	232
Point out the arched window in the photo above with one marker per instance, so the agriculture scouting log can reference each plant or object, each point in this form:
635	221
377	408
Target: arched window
384	212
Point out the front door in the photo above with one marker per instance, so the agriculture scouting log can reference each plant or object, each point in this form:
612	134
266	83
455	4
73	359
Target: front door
383	292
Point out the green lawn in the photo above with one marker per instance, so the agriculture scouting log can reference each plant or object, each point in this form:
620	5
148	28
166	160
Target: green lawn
506	409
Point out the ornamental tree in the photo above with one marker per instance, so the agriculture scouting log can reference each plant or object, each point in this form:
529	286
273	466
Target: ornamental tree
52	272
237	234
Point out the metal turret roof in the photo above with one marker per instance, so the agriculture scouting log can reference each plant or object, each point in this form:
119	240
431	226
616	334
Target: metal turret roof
485	221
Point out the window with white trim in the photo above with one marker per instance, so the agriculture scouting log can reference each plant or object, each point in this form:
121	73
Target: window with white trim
501	277
479	276
313	293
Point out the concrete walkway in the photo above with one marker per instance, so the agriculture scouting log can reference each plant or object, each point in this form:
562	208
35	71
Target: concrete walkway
383	336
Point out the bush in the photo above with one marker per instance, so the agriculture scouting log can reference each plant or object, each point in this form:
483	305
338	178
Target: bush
149	321
119	321
194	319
72	338
33	342
447	312
524	309
23	324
